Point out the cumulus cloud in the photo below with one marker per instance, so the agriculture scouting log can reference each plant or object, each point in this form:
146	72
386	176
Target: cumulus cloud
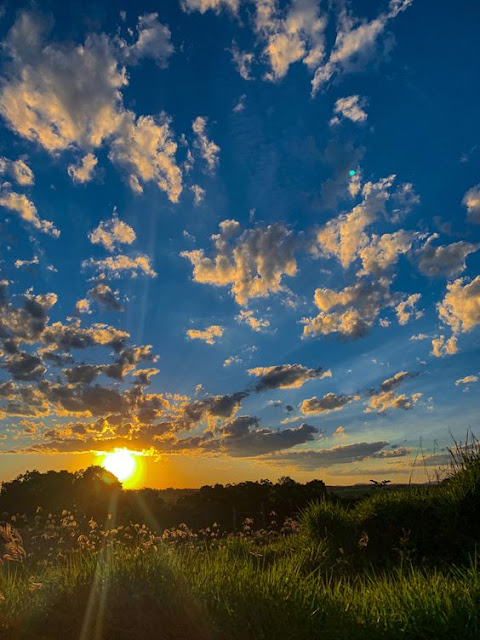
248	317
466	380
329	402
241	440
444	347
18	170
351	107
349	312
121	265
252	265
105	297
344	237
243	61
63	95
210	335
198	194
471	201
207	149
84	170
407	308
322	458
385	400
444	260
297	34
285	376
27	211
355	43
112	233
382	252
460	308
154	41
205	5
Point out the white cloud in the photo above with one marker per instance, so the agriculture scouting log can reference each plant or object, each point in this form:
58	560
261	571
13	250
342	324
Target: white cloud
120	265
154	41
112	233
243	61
407	308
466	380
355	42
18	170
445	260
460	308
442	347
351	107
471	200
208	150
248	317
210	335
253	266
198	194
26	210
83	171
67	95
206	5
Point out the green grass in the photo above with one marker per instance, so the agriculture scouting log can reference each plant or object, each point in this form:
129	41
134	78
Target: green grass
234	591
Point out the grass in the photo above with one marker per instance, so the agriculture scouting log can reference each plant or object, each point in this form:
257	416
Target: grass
396	565
233	591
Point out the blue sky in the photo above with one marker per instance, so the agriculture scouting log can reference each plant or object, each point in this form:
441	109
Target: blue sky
239	236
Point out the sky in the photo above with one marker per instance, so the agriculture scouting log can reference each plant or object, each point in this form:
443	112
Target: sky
239	237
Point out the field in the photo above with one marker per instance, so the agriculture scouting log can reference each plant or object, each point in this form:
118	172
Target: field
400	563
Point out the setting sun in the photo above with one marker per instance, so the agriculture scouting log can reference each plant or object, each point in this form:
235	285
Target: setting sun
122	463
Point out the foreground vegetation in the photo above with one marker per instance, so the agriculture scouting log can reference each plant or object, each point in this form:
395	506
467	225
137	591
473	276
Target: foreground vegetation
398	564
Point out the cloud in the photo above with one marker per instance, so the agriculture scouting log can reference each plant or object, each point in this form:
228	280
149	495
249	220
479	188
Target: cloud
154	41
344	237
18	170
26	210
232	360
460	308
466	380
105	297
329	402
207	149
24	366
247	317
83	306
240	440
397	379
471	201
385	400
322	458
297	35
442	347
112	233
64	95
407	308
121	265
198	194
206	5
243	61
444	260
350	312
285	376
385	397
208	335
351	107
253	265
355	43
383	252
84	170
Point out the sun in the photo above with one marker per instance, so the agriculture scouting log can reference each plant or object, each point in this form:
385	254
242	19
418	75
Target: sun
122	463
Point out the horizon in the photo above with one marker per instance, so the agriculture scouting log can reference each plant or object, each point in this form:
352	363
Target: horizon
239	240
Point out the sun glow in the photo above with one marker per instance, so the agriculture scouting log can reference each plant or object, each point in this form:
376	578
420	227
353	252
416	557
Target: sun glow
122	463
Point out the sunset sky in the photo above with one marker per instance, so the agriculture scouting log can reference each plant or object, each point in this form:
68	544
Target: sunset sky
241	237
